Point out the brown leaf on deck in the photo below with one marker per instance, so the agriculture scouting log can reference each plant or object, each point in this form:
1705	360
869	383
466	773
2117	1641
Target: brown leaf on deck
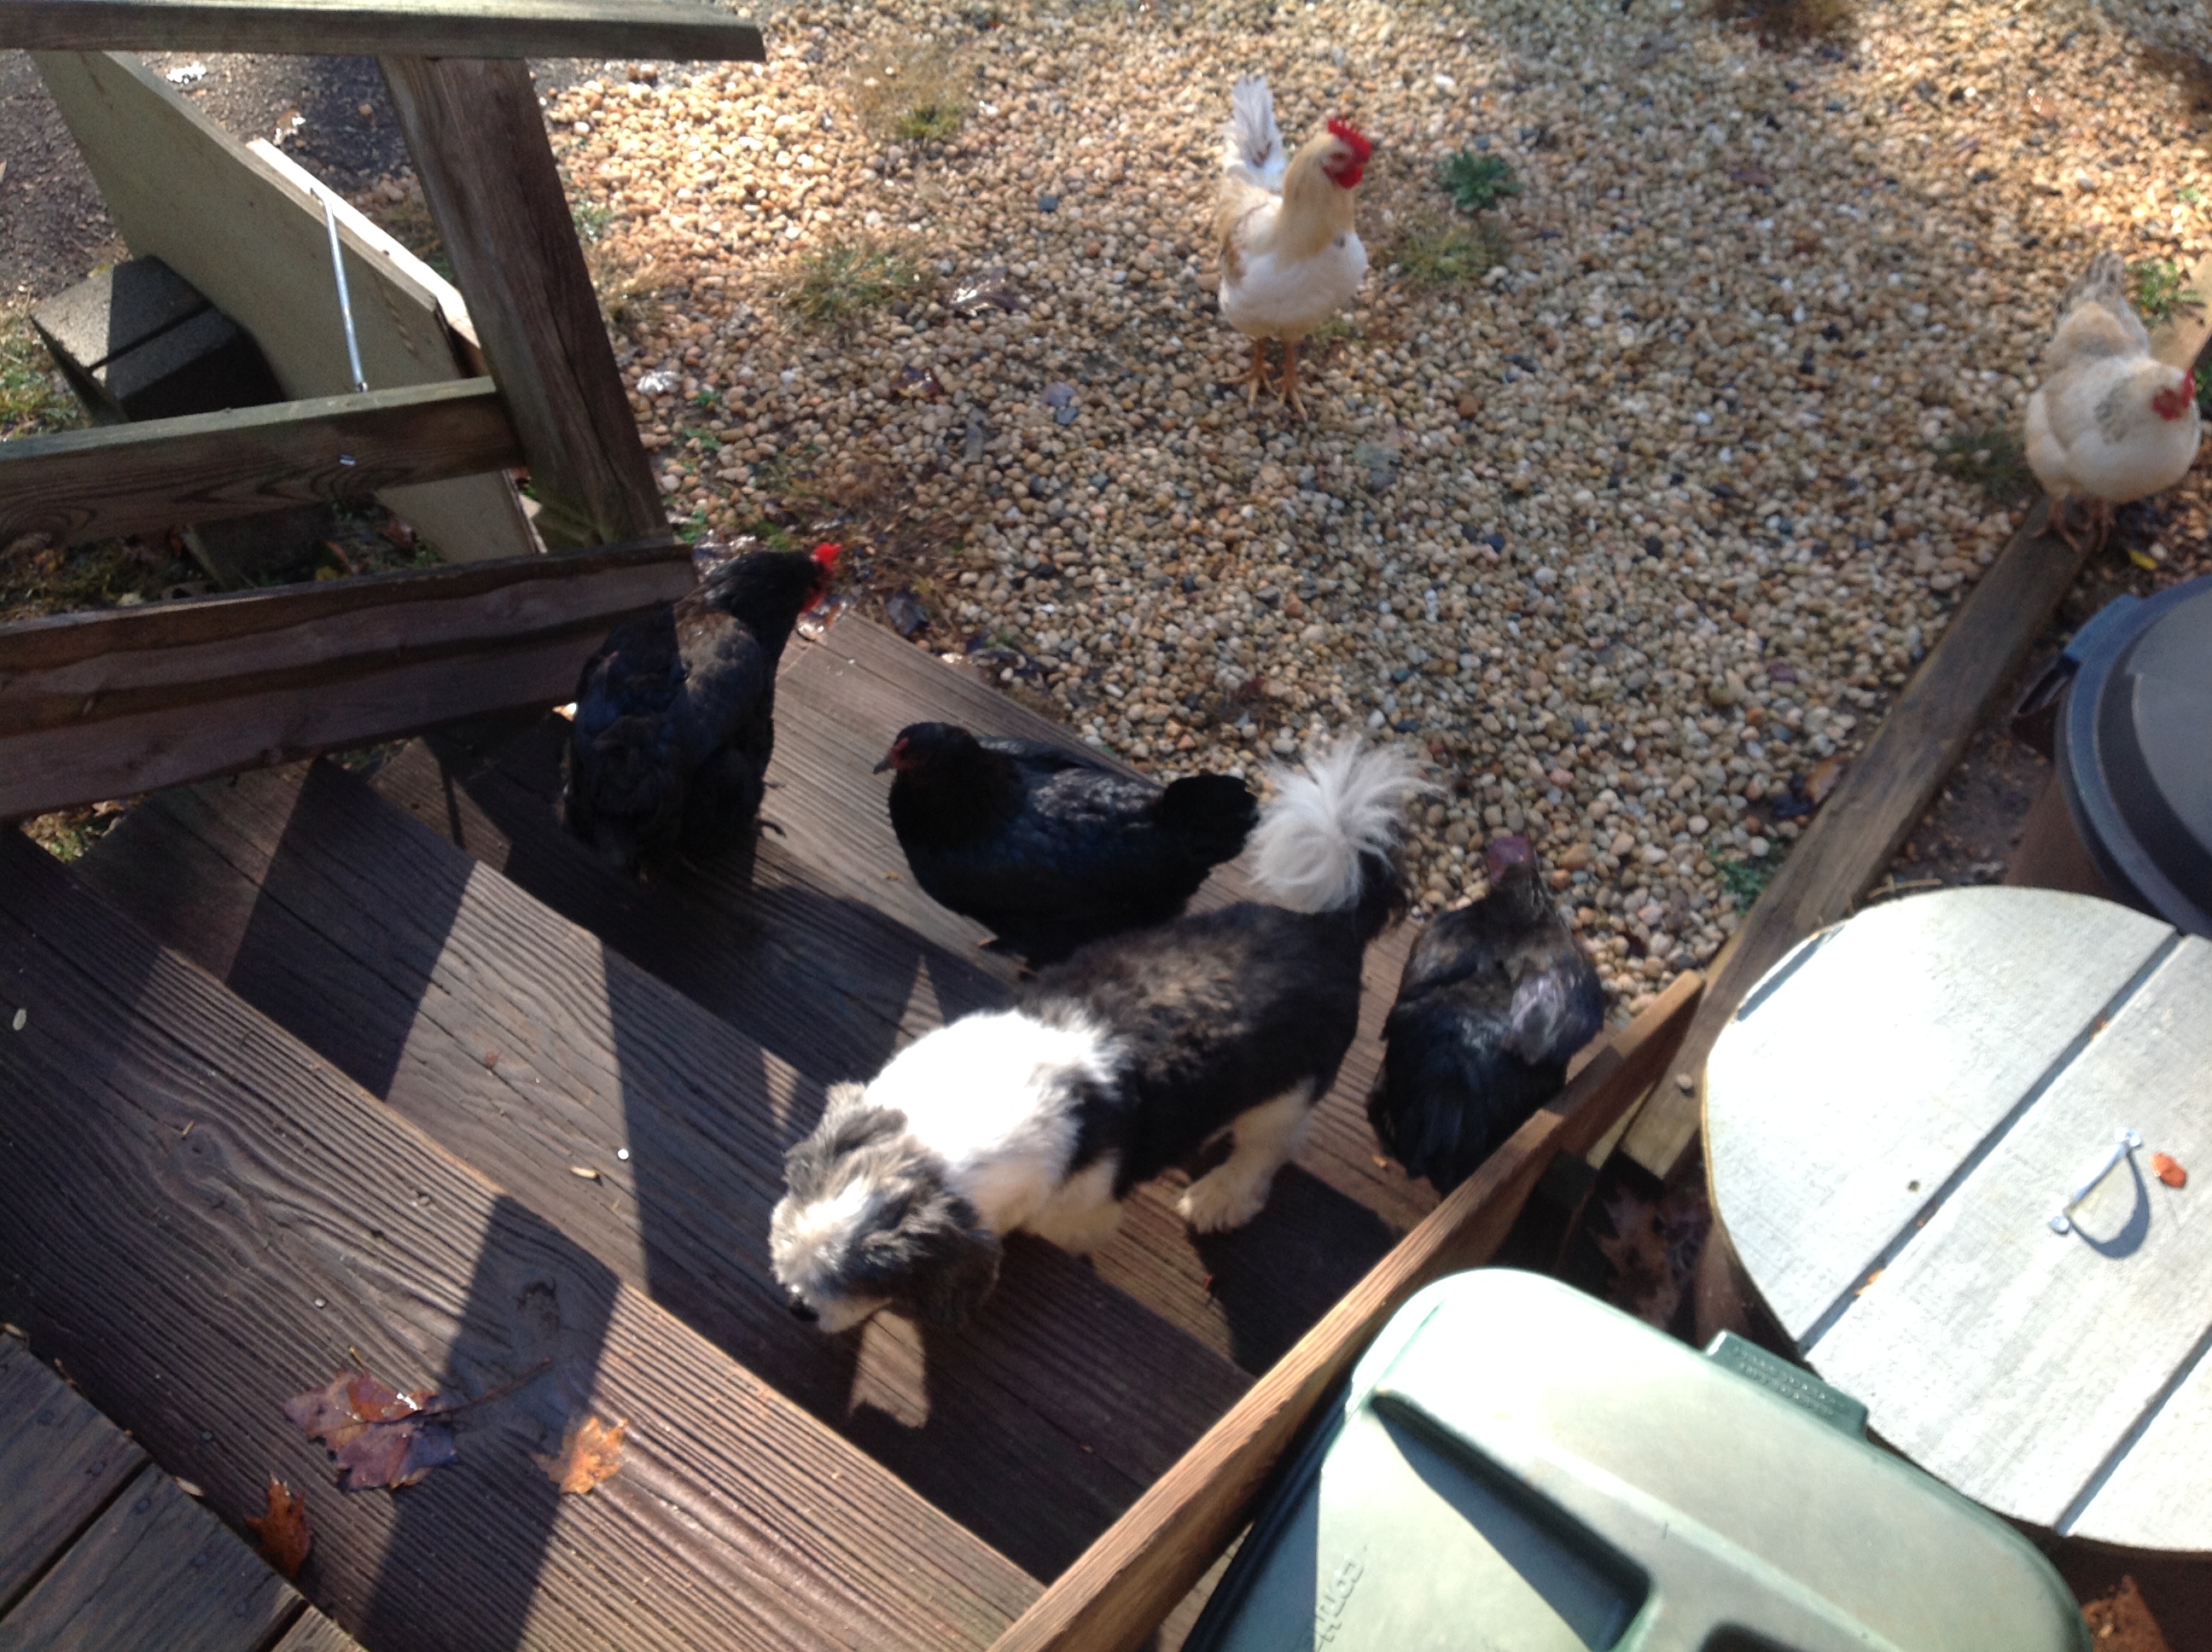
378	1436
2168	1171
285	1535
591	1454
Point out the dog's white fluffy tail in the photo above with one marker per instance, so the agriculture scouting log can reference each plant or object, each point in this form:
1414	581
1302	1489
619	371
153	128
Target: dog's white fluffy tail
1313	833
1251	143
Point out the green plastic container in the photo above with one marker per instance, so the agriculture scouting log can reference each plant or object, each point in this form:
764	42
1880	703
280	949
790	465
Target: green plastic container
1518	1468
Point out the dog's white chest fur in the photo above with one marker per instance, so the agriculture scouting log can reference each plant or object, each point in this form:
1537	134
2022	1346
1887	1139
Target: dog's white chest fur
992	1097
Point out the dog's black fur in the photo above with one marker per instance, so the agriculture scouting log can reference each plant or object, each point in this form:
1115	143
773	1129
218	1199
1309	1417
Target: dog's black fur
1215	1013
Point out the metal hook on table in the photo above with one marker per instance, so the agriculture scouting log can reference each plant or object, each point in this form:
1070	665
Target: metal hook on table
345	298
2127	1142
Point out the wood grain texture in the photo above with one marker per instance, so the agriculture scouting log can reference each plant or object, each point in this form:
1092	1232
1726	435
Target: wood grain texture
845	697
60	1463
430	28
106	704
1873	808
2154	1498
2015	1363
1824	1146
193	1278
479	140
252	241
1114	1597
137	478
525	1048
315	1633
156	1573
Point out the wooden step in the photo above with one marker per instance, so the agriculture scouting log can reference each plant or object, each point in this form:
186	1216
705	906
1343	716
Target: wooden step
202	1217
840	701
719	934
532	1051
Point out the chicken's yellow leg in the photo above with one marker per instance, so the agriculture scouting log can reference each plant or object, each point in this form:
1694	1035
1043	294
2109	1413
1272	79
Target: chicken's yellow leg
1258	376
1290	376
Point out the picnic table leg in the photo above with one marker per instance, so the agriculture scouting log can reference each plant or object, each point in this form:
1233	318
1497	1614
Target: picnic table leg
479	140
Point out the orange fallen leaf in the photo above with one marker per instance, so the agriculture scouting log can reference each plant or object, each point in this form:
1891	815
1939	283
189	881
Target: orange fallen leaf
1822	780
2167	1171
284	1533
591	1454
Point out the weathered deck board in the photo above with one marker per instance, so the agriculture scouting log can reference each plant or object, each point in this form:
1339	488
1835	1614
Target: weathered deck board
156	1573
1814	1188
60	1463
527	1048
203	1217
316	1633
877	984
2015	1363
840	702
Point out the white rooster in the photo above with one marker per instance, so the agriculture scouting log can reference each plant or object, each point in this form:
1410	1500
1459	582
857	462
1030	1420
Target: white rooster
1290	258
2109	422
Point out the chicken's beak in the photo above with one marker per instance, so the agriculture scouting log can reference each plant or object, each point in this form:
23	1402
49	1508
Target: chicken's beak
882	766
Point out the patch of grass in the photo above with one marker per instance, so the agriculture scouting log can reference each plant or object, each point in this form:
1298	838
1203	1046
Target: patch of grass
1992	460
33	399
910	94
1741	877
593	219
67	835
1477	182
834	285
1786	25
1429	255
2159	290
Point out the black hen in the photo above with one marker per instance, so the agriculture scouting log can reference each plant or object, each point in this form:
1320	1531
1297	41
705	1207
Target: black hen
674	716
1050	850
1494	999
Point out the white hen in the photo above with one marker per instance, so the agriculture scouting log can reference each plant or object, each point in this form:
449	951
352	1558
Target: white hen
1290	258
2109	422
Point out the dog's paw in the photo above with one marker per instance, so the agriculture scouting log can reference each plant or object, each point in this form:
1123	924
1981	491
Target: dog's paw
1216	1201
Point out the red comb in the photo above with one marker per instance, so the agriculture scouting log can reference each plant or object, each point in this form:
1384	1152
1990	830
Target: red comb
827	554
1361	148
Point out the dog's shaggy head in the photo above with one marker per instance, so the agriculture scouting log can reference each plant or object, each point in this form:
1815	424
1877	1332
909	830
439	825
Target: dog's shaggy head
867	1220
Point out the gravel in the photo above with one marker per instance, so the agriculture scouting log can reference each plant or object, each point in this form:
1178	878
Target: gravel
1632	537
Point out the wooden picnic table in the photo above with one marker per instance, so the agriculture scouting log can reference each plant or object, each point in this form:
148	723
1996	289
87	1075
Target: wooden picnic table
1893	1120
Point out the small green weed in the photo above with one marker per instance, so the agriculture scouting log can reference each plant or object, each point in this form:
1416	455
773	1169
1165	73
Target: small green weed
1992	460
914	95
836	284
2160	289
33	398
591	218
1432	255
1477	182
1744	878
1786	25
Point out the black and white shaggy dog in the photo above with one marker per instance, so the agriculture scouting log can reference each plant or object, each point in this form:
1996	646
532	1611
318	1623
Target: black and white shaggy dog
1115	1065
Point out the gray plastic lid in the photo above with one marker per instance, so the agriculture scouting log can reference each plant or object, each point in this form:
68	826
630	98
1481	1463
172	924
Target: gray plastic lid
2134	746
1519	1468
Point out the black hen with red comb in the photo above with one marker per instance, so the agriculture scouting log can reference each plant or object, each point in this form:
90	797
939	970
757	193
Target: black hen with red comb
1495	999
675	716
1051	850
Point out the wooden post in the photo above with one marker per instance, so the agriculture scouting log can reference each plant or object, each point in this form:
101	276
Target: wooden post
479	140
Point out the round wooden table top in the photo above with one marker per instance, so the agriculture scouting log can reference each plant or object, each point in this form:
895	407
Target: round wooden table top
1894	1121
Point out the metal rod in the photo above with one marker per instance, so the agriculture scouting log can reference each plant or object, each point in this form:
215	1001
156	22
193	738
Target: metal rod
2129	1140
345	298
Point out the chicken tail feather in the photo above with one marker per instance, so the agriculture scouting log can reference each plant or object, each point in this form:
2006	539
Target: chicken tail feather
1216	812
2105	282
1328	839
1251	143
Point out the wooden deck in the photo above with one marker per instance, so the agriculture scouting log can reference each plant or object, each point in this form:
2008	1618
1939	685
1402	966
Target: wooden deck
393	1071
101	1549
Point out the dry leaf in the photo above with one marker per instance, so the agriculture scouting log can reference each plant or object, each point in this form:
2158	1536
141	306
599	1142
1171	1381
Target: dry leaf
2167	1171
591	1454
1822	780
378	1436
285	1535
